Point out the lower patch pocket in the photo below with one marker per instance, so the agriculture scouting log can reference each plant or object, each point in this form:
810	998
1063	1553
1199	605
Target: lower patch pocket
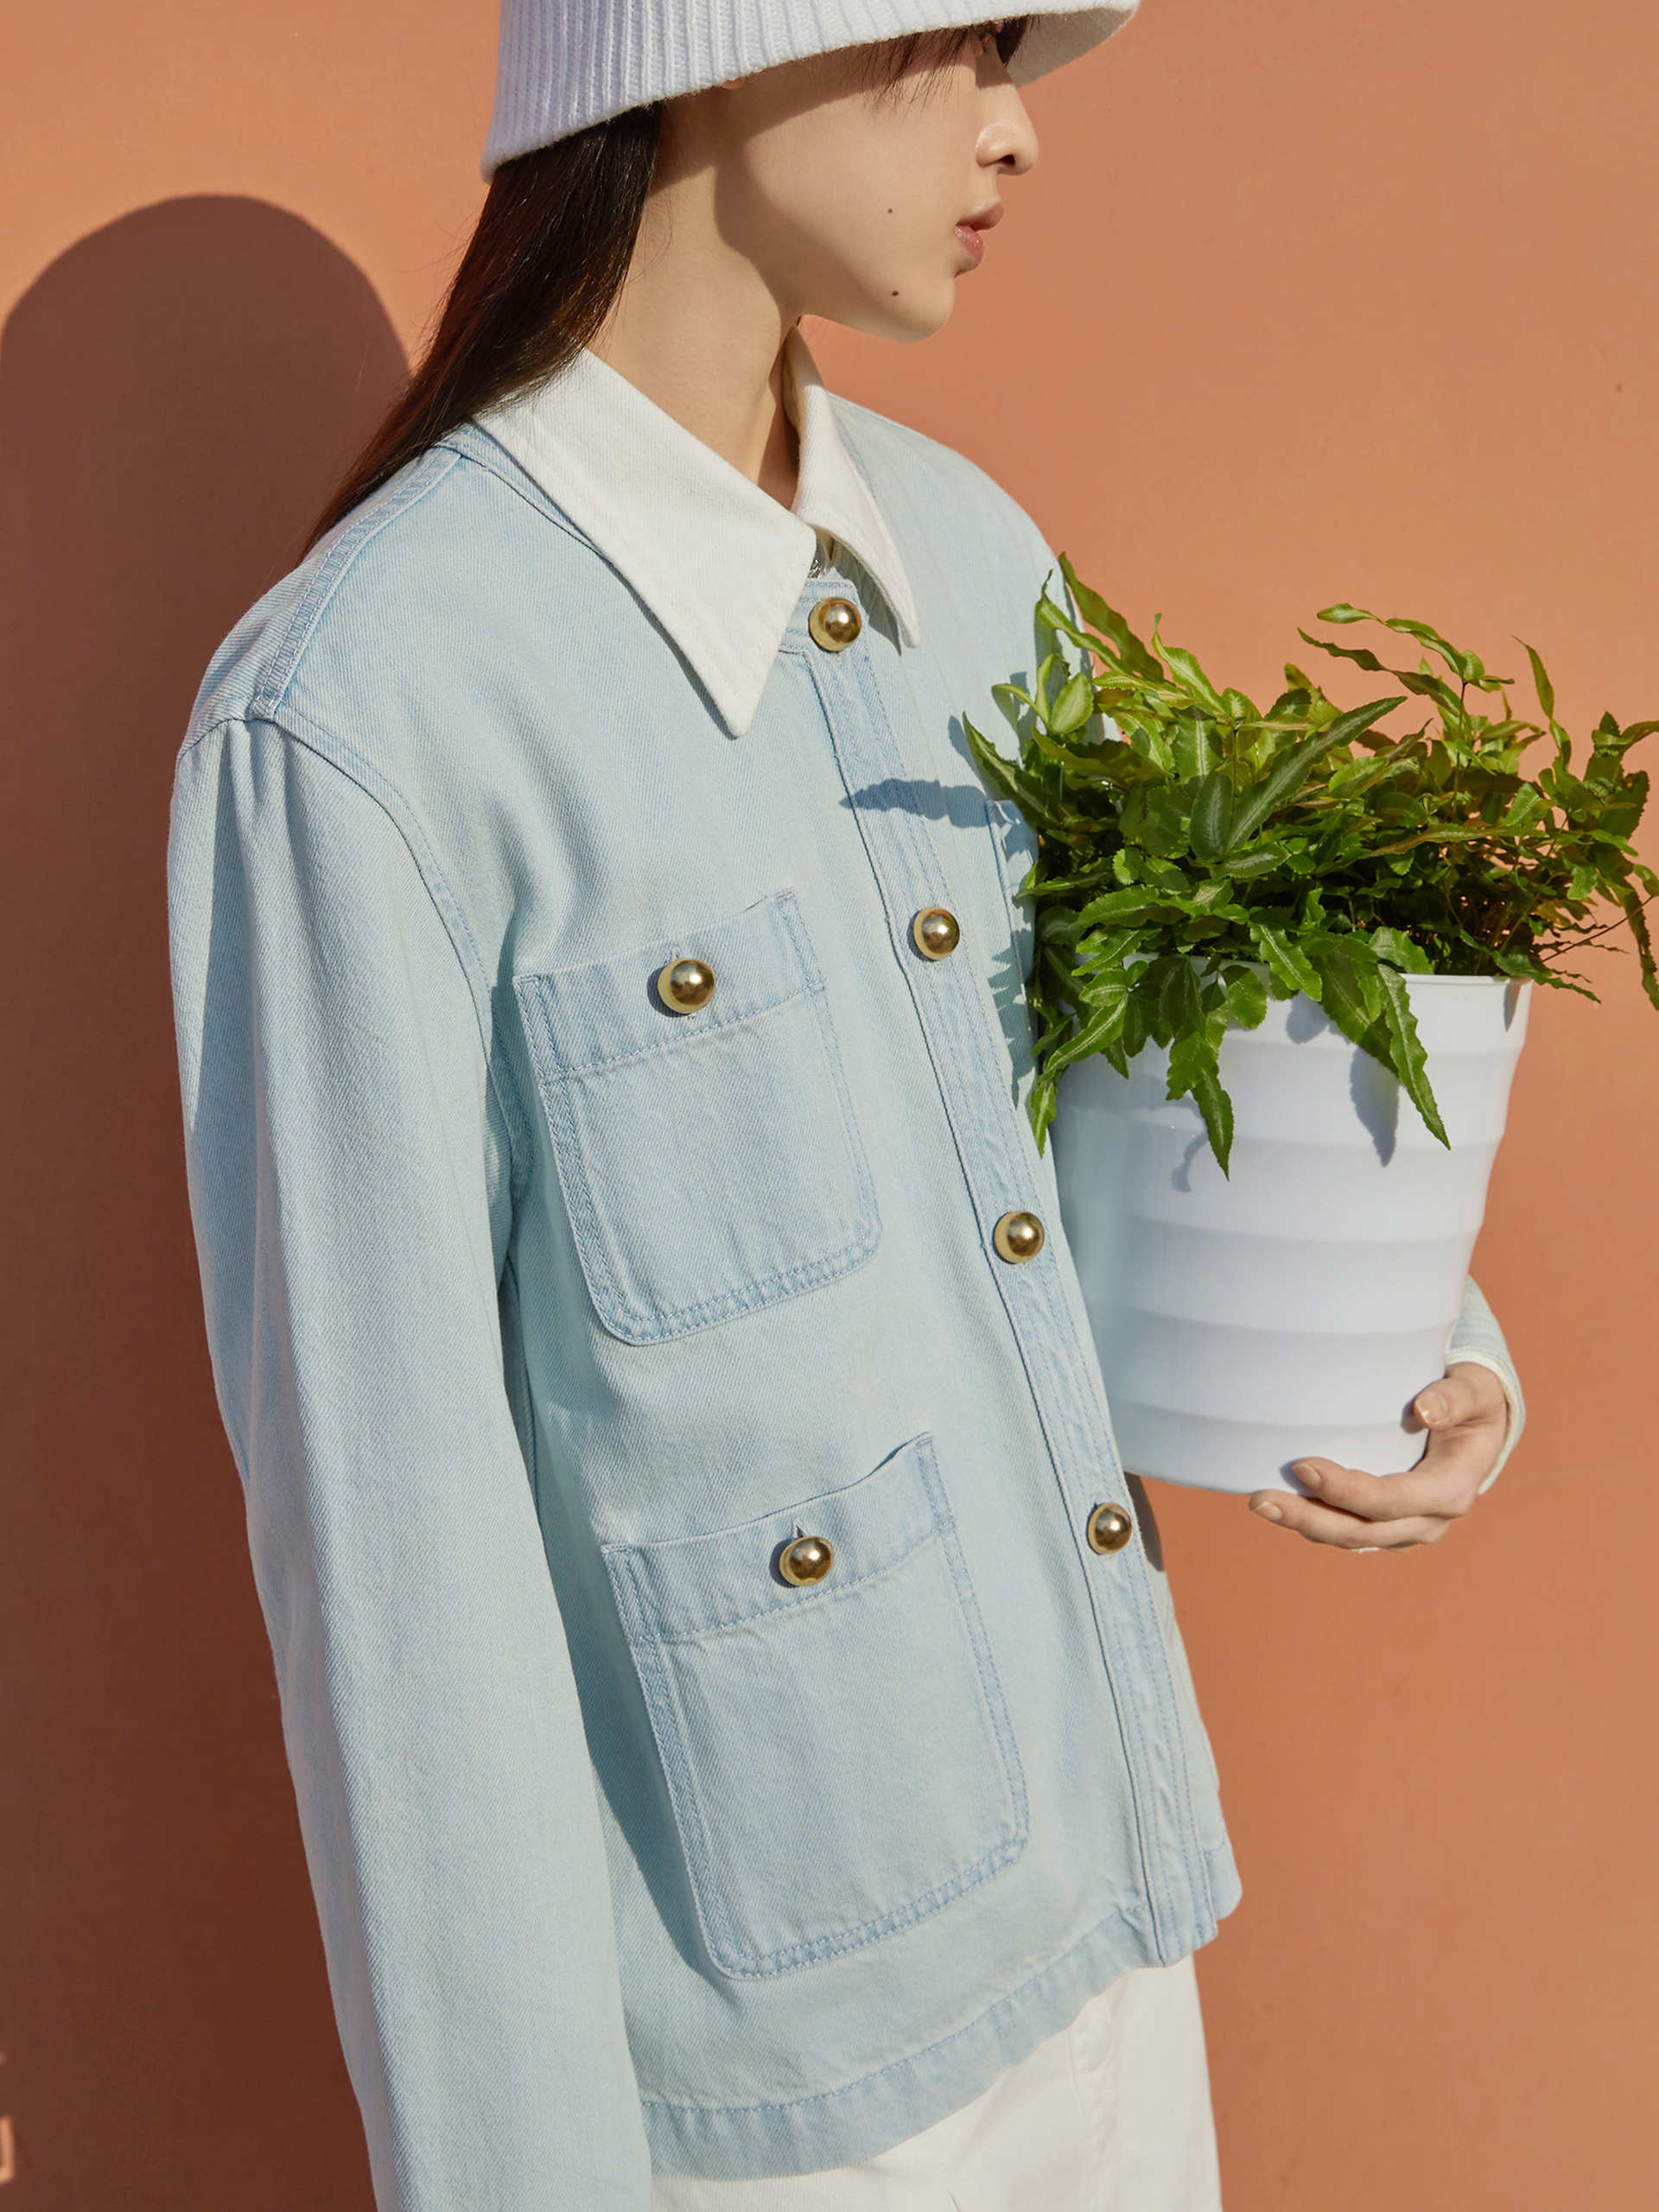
836	1748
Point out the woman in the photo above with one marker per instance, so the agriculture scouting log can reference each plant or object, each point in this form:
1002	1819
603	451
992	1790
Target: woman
743	1746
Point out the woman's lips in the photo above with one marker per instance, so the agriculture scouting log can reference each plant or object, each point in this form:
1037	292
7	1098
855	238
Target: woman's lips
972	230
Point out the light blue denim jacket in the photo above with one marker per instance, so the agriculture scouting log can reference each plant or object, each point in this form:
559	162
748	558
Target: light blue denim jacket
542	1318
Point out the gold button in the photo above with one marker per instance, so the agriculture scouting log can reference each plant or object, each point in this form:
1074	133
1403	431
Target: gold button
685	985
808	1560
936	932
834	624
1110	1529
1018	1236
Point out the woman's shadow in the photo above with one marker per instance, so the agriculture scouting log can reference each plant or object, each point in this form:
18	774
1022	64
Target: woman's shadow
178	392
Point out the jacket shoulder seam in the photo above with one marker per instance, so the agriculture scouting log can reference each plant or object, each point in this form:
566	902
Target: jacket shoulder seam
389	802
272	689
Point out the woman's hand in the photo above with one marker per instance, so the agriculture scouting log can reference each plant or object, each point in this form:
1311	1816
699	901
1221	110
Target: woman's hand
1467	1417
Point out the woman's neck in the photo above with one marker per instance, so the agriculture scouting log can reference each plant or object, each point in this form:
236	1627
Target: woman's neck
696	330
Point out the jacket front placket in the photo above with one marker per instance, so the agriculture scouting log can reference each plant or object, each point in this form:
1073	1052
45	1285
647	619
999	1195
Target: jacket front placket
998	1156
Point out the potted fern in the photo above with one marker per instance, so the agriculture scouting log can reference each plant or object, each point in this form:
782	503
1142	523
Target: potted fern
1280	981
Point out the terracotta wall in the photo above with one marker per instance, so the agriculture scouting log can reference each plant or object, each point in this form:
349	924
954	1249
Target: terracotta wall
1305	301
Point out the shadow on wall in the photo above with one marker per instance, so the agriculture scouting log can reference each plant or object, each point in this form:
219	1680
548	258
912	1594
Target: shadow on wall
177	394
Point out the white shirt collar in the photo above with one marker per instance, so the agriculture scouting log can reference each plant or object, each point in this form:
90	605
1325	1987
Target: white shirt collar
719	562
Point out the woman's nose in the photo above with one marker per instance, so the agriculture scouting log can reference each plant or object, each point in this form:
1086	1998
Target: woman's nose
1006	141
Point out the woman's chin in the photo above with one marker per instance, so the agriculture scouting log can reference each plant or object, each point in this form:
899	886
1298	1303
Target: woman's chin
903	316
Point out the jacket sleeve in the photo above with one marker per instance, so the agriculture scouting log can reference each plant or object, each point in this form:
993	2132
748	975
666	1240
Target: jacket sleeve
1477	1337
340	1140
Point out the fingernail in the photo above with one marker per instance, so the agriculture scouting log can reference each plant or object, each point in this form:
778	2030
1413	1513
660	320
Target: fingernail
1431	1406
1308	1474
1268	1512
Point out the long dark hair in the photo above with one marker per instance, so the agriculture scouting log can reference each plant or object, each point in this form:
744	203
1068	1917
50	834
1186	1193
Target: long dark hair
542	269
540	274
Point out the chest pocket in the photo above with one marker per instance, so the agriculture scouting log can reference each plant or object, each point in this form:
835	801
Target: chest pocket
710	1160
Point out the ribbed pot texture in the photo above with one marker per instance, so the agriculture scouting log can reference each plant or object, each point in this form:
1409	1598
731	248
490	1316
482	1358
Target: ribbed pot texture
1296	1309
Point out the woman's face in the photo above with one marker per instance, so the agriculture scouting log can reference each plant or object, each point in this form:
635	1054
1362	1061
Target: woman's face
860	195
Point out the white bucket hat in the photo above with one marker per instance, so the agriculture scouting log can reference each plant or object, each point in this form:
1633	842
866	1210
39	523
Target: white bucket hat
566	63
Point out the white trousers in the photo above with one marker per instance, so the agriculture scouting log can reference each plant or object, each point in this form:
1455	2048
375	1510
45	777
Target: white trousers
1111	2114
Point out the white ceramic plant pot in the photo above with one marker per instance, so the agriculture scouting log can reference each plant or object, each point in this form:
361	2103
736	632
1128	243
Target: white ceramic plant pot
1297	1309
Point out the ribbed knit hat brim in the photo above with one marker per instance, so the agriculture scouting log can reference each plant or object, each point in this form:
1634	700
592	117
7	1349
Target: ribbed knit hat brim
566	63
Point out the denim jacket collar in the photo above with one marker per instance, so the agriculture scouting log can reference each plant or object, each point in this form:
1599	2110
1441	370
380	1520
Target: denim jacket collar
718	562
